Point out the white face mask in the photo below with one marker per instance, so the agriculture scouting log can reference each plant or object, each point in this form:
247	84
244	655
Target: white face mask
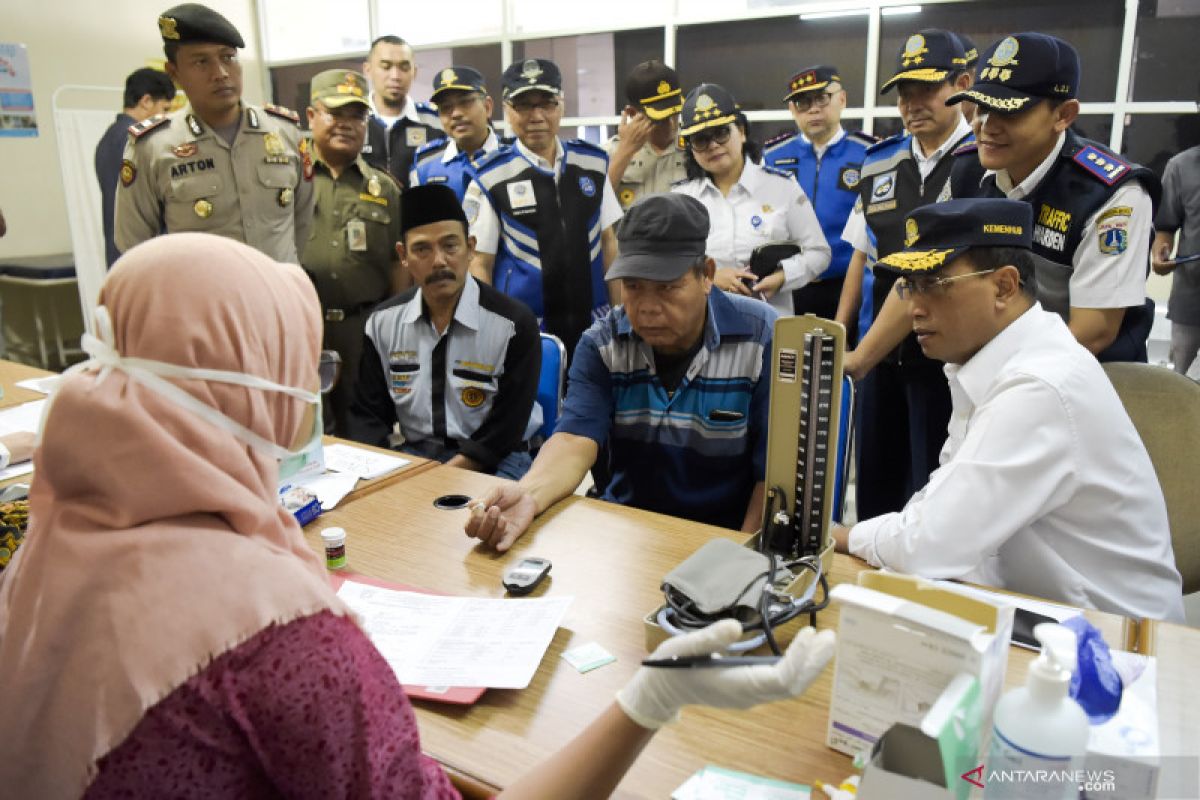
152	375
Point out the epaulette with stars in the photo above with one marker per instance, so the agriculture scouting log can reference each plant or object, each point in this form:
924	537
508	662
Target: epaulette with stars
140	129
282	113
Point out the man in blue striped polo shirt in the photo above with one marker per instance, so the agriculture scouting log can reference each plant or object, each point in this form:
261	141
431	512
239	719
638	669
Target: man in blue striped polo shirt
676	381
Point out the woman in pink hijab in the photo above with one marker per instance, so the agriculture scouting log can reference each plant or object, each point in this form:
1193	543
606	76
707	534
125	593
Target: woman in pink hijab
165	631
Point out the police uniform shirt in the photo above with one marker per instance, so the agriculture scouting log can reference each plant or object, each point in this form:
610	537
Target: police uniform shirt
485	223
180	175
107	159
856	232
1103	276
649	171
472	386
356	224
764	206
449	153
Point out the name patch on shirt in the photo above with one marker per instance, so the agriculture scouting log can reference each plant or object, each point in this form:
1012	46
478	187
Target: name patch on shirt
1051	228
188	167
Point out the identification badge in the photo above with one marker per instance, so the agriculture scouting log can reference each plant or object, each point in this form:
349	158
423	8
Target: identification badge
520	195
356	235
414	137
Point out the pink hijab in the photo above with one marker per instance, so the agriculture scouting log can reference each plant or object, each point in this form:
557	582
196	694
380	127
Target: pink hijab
156	540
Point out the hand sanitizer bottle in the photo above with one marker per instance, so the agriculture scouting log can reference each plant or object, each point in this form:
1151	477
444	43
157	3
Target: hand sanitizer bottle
1039	734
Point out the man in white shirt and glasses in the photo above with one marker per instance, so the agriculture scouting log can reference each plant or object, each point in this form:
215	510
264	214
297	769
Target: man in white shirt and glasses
1044	486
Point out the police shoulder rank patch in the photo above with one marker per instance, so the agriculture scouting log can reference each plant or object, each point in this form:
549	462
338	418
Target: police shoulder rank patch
282	113
968	147
780	139
780	172
1104	166
140	129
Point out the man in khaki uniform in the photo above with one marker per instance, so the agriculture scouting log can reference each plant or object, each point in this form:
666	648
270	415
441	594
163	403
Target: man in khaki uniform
351	255
217	165
644	156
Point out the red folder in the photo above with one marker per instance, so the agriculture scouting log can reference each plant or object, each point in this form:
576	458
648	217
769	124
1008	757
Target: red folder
461	695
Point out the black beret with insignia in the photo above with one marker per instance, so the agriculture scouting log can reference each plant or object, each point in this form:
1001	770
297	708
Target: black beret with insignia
192	23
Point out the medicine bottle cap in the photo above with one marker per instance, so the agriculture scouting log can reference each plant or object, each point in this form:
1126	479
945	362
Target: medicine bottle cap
333	535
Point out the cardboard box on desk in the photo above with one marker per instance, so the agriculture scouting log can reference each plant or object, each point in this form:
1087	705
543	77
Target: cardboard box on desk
655	635
901	641
904	763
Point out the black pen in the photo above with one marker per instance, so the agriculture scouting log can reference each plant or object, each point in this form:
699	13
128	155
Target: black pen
710	660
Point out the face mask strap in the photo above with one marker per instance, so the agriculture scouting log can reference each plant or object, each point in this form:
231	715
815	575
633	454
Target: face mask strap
152	374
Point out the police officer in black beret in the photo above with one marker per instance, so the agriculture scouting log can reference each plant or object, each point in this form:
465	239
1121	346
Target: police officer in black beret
218	165
1093	210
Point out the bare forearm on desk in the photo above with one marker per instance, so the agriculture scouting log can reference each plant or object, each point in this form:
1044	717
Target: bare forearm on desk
559	468
591	764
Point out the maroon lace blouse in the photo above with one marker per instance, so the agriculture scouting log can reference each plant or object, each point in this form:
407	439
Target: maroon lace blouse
304	710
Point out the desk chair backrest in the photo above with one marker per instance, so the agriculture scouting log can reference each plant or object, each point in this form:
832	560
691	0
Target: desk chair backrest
844	445
1165	409
552	384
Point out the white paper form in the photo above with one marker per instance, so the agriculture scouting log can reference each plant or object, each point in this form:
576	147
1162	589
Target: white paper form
433	640
25	417
46	385
365	464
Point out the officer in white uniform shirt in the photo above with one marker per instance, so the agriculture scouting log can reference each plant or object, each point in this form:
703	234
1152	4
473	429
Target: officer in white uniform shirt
1044	487
749	205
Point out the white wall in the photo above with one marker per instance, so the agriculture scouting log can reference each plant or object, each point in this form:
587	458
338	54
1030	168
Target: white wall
92	43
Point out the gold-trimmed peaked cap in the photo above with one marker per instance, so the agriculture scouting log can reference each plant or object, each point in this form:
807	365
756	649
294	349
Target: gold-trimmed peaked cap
192	23
335	88
936	234
811	79
654	87
928	56
1018	70
707	106
457	78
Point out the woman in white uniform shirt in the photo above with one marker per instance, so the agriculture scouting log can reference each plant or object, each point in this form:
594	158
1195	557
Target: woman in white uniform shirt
748	204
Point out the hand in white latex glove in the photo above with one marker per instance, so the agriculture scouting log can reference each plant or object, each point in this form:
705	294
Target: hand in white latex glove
655	695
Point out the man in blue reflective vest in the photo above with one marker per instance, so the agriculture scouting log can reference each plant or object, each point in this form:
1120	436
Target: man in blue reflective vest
465	110
542	210
826	161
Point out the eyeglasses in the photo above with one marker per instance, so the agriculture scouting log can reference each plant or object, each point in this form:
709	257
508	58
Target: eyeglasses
329	369
524	107
805	102
705	139
907	288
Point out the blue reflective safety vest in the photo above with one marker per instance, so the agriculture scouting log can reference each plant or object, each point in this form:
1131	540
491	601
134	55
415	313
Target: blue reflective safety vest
429	168
831	183
549	254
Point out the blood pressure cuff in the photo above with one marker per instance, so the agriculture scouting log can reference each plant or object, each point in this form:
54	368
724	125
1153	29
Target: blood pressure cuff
718	578
765	258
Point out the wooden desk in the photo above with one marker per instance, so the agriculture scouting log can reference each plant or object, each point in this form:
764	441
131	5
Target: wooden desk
10	373
366	486
612	559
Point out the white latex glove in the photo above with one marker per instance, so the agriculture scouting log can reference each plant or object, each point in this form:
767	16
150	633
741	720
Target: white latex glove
655	694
